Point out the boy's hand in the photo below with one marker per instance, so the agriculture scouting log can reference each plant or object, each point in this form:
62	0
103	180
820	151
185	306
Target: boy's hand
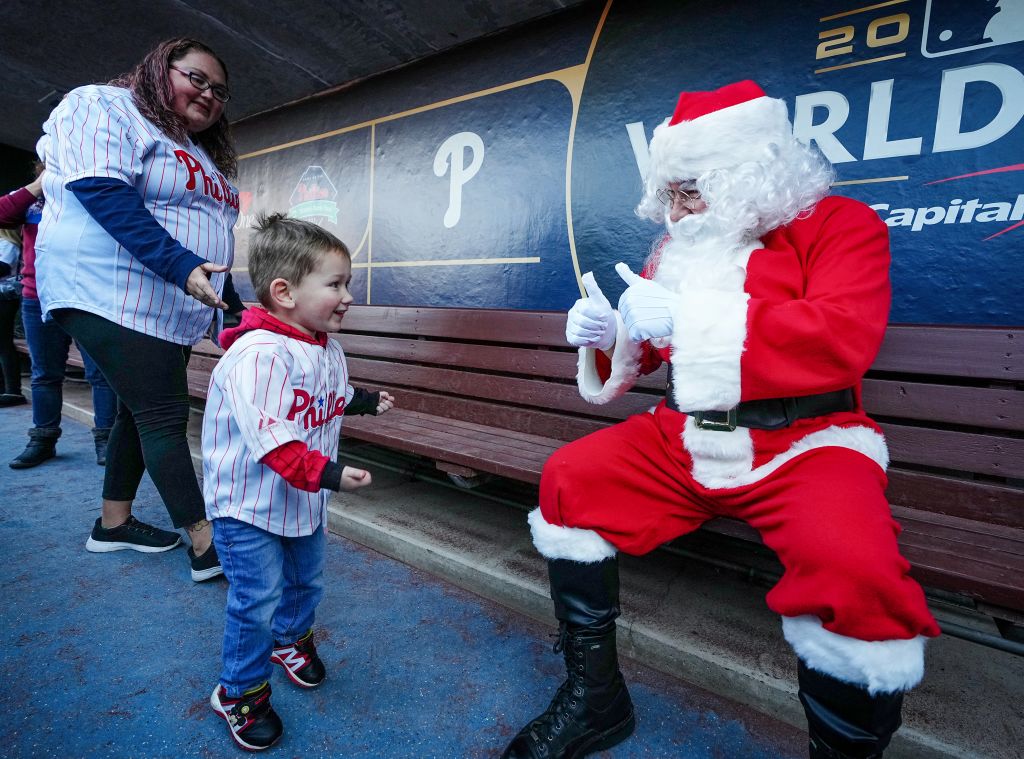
387	402
353	479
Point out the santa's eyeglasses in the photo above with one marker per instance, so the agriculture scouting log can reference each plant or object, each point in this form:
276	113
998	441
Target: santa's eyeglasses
668	197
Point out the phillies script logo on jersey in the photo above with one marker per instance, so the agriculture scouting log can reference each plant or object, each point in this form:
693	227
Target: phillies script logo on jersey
216	187
316	411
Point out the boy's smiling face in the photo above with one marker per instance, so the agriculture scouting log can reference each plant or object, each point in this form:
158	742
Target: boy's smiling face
321	298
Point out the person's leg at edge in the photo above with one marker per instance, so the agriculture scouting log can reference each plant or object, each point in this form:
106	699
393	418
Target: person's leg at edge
104	406
10	370
294	648
855	619
48	350
149	377
253	562
626	484
10	366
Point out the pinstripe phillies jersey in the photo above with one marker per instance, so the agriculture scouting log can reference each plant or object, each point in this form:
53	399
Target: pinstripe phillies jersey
97	131
269	389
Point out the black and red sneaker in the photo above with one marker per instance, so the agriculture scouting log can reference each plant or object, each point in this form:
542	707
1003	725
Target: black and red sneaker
300	661
252	720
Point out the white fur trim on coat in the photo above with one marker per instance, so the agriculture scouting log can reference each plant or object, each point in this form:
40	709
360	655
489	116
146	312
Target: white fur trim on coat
863	440
625	368
710	328
884	666
573	543
739	134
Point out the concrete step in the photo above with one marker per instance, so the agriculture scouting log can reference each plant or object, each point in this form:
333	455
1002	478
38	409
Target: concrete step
703	624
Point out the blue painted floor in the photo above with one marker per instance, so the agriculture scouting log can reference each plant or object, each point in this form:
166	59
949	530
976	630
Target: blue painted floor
114	655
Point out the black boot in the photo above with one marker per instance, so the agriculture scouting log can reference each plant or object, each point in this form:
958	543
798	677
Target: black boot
42	445
591	710
100	435
844	721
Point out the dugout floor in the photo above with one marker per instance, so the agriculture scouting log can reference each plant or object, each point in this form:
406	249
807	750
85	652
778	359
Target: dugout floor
114	655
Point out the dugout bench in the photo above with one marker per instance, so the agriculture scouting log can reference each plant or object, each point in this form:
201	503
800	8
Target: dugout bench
493	393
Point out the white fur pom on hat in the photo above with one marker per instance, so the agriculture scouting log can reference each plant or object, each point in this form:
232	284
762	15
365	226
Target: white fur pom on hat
716	130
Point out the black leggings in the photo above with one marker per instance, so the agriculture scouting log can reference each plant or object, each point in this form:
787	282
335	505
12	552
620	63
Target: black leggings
148	375
10	366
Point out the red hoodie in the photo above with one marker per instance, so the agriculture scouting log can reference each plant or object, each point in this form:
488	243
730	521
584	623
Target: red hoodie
301	467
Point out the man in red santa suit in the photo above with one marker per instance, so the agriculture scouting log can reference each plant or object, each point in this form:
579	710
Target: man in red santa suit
768	299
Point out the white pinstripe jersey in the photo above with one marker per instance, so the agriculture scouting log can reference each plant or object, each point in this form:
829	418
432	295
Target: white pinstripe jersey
267	390
97	131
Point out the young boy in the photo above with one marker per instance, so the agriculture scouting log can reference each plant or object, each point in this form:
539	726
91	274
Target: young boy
270	436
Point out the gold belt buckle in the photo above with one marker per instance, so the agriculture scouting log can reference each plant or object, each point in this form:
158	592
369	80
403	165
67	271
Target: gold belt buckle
706	424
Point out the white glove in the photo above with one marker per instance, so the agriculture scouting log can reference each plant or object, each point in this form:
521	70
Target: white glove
645	306
591	321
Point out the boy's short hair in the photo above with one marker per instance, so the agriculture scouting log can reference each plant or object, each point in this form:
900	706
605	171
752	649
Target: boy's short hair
287	248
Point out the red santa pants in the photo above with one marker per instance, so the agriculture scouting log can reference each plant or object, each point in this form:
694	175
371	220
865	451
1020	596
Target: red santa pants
824	513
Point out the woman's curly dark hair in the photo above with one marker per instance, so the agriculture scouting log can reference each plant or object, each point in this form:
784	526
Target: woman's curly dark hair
150	84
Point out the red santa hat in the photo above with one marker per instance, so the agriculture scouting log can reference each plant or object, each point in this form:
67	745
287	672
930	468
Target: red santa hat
716	130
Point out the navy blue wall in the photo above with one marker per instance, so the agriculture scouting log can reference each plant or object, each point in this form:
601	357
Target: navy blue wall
451	179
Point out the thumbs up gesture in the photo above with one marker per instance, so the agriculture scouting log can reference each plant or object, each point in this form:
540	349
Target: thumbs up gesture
590	323
645	306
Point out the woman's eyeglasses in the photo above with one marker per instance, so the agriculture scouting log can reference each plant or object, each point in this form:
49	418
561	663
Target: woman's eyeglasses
202	84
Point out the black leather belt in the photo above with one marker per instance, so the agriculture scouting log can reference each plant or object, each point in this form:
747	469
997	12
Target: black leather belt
767	413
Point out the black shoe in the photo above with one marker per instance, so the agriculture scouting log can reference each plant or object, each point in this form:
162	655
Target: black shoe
42	446
133	535
300	661
253	723
591	710
206	566
100	435
12	399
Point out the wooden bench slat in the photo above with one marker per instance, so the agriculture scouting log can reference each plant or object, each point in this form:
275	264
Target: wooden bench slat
978	352
479	325
458	427
536	422
552	364
970	452
497	389
995	408
939	494
489	459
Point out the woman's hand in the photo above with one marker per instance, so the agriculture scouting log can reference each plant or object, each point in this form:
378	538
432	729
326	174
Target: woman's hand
199	287
353	479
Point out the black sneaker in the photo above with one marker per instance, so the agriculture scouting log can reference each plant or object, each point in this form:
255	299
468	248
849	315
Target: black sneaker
300	661
253	723
12	399
133	535
205	566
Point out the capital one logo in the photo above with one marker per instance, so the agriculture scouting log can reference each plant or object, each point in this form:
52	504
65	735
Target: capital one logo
955	26
451	158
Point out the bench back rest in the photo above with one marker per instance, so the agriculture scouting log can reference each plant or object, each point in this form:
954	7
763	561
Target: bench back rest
950	399
951	402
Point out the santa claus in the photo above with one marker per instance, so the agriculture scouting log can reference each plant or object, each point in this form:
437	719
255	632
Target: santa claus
768	298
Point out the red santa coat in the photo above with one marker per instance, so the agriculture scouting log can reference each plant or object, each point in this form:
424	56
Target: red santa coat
799	312
802	311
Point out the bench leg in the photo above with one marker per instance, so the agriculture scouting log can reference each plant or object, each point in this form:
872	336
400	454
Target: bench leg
591	710
843	720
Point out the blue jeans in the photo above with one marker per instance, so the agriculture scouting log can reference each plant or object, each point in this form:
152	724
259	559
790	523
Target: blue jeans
275	585
48	346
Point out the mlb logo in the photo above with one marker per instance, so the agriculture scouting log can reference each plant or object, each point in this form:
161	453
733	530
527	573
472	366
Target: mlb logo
314	197
956	26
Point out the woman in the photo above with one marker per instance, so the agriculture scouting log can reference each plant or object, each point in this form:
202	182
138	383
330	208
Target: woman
135	239
48	344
